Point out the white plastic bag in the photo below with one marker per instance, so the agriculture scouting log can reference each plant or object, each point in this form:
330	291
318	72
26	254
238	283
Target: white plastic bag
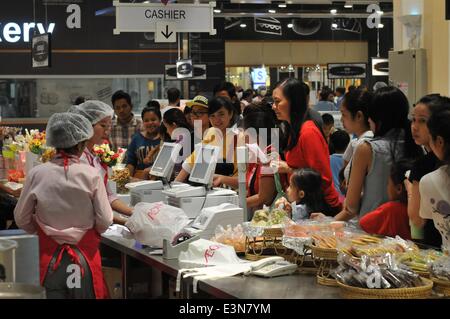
203	252
153	222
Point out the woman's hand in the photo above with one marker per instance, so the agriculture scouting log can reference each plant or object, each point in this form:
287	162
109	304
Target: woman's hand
218	180
149	158
281	166
284	203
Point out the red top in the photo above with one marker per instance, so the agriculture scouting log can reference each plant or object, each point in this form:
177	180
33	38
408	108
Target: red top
390	219
311	151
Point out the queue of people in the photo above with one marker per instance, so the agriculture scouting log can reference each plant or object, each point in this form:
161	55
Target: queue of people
393	177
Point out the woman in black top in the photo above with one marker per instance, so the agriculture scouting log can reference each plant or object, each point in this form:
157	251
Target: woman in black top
424	165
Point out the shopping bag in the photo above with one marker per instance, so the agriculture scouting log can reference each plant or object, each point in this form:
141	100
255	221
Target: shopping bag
153	222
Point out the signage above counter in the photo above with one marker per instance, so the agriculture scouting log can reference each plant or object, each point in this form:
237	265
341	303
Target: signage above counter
164	20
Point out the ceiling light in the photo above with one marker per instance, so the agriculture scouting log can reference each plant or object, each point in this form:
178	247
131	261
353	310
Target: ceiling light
282	5
334	25
290	25
217	11
333	11
243	25
380	26
272	11
348	6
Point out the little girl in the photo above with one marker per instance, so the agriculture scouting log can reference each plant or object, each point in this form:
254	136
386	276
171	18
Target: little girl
144	147
305	195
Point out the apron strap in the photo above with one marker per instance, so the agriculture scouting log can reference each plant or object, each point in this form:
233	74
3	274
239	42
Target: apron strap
73	256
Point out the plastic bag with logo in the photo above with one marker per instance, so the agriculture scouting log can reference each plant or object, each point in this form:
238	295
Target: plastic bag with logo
153	222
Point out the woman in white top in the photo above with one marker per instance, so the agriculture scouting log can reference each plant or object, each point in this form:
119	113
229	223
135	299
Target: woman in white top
100	116
64	201
355	118
435	187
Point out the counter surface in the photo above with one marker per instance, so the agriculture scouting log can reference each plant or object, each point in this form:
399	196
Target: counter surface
299	286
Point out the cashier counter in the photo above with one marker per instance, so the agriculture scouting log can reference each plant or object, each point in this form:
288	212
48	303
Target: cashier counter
207	207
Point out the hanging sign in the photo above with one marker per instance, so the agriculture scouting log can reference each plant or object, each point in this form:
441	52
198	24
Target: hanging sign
198	72
346	70
41	50
380	67
144	17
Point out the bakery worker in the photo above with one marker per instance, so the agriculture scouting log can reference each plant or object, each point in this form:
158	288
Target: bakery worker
64	201
100	115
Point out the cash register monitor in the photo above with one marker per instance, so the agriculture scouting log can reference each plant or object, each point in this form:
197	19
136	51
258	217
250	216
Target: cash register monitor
205	164
165	161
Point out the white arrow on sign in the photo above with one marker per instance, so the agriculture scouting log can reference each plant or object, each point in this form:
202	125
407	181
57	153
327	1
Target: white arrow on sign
165	33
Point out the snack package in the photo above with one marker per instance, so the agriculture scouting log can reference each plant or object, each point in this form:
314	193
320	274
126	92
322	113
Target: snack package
230	236
419	261
375	272
441	268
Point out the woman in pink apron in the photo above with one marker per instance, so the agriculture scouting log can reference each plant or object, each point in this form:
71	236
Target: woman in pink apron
64	201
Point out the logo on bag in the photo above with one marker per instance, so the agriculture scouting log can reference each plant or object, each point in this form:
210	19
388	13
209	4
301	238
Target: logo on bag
210	251
154	211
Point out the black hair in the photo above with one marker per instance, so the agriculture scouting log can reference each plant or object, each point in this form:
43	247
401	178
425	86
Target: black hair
295	92
154	103
231	90
74	150
434	102
260	116
389	111
325	93
118	95
151	109
217	103
310	182
351	88
173	94
247	94
397	175
225	86
327	119
79	100
339	140
340	90
175	116
358	101
439	125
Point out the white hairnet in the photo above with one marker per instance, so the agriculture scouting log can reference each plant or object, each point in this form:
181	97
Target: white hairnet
93	110
65	130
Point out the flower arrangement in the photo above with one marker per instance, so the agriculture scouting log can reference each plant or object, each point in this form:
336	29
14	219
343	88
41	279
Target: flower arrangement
106	155
36	141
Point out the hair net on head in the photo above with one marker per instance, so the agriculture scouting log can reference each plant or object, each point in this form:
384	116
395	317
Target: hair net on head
65	130
93	110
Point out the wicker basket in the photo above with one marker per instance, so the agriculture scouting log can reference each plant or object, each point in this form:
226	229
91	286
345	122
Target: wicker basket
441	286
267	245
324	253
422	292
326	281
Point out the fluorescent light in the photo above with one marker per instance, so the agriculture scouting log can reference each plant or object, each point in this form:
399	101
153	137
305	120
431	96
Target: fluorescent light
348	6
380	26
333	11
243	25
290	25
334	25
282	5
217	11
272	11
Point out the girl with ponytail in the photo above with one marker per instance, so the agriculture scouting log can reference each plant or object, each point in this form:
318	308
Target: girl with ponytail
373	159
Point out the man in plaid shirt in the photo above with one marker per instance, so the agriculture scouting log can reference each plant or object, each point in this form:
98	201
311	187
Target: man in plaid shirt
124	124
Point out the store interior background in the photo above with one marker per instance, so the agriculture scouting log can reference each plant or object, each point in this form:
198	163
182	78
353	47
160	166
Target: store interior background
300	41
